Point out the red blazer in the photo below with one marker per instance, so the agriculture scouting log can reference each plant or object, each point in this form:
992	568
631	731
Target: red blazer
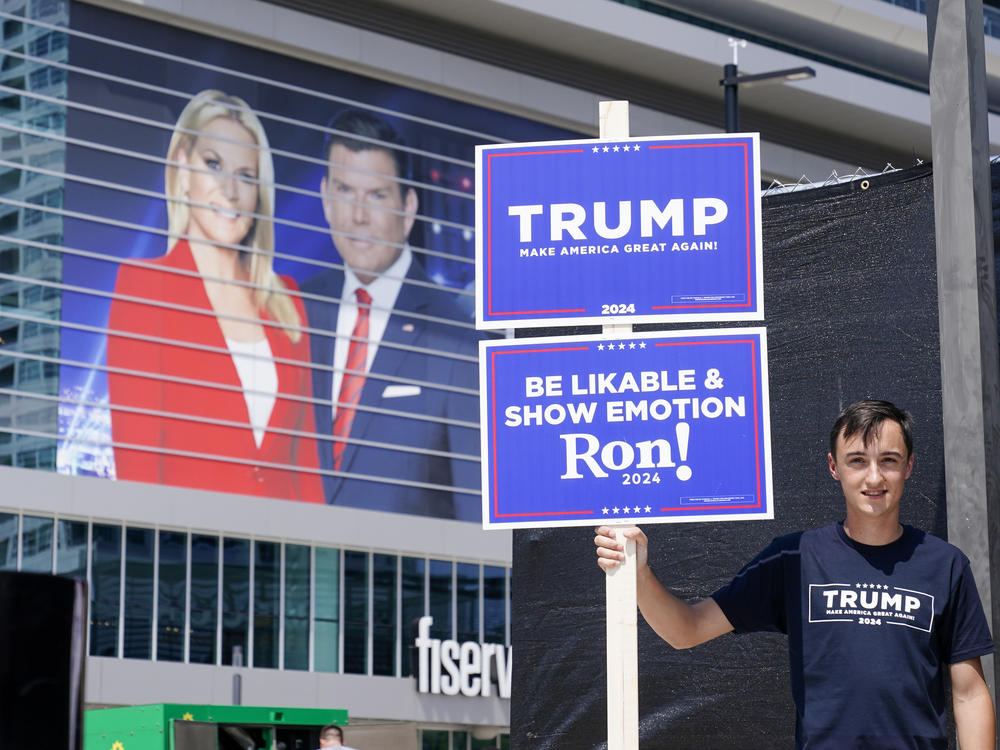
237	464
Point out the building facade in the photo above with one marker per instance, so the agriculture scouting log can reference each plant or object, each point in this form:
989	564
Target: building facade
196	578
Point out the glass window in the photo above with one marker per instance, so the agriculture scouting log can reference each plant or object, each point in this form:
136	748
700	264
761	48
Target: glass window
266	603
384	574
10	259
10	335
494	604
459	740
138	643
467	601
171	595
8	221
326	635
204	598
296	606
30	371
31	295
33	216
235	600
355	612
414	606
40	45
440	595
105	589
44	8
433	739
12	28
8	541
71	552
475	744
36	544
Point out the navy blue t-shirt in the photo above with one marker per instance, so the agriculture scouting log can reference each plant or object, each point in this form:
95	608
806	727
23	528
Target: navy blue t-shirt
871	631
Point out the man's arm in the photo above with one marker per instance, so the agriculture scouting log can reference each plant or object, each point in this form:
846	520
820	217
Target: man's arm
680	624
973	706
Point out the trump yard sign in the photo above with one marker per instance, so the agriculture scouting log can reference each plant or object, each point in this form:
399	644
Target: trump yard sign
660	427
637	230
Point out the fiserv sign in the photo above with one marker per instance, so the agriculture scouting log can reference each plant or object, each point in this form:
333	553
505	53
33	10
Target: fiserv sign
448	667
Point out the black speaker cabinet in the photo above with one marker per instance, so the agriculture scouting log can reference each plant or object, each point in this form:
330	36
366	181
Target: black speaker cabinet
42	653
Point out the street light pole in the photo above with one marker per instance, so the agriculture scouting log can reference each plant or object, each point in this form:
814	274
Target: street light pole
731	80
730	76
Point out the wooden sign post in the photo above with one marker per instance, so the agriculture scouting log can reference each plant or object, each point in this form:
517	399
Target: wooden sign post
621	604
682	250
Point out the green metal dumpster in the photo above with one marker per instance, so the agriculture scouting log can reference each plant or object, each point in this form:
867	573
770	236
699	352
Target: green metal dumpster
176	726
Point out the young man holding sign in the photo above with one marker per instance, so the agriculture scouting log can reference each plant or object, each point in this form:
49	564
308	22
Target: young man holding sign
875	612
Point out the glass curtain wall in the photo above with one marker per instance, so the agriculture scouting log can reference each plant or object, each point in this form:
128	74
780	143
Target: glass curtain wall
169	595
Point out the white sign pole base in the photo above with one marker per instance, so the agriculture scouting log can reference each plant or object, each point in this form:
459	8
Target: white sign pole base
623	653
621	602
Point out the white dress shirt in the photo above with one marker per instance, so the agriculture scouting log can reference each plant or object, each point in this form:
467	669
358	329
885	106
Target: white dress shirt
259	378
384	289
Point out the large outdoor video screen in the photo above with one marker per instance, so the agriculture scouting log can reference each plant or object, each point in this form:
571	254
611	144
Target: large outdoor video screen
268	274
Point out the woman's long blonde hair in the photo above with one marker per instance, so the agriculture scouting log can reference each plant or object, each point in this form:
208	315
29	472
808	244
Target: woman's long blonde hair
269	291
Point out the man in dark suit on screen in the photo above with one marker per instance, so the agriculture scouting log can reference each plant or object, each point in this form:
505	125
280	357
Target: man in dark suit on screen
396	378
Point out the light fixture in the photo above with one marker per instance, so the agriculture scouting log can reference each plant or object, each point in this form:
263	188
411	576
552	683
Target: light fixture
732	80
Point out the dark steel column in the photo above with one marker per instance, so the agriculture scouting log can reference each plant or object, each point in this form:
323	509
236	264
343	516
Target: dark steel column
729	73
970	384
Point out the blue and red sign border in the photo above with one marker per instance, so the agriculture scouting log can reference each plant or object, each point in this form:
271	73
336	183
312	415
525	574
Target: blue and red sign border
762	509
752	308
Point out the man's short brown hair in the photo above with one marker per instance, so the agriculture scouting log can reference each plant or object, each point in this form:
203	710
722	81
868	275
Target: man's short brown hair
867	417
331	732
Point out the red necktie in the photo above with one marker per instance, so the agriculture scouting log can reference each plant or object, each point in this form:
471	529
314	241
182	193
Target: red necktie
354	378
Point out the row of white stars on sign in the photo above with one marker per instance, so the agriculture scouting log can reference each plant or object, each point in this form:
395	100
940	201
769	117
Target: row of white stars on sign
626	147
626	510
872	586
621	345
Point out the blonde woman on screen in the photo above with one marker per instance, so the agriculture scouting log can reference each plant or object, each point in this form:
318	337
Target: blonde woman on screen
208	378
